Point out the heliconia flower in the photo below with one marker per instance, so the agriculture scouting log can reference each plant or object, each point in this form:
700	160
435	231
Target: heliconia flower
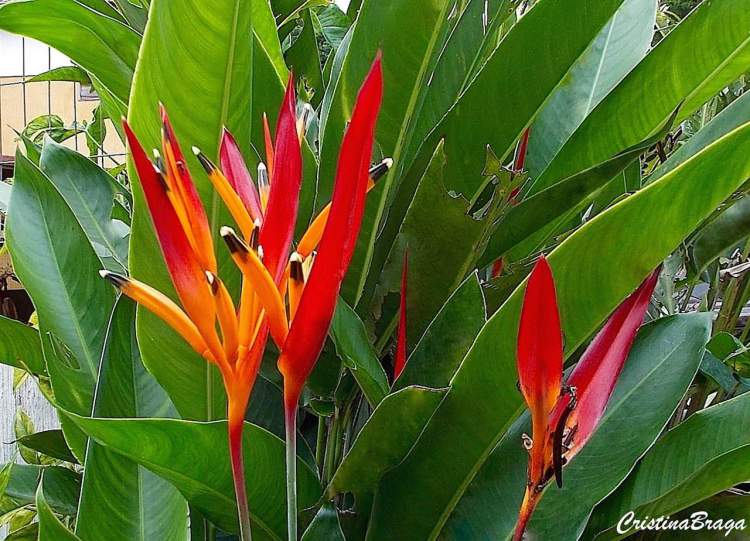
290	297
565	415
400	357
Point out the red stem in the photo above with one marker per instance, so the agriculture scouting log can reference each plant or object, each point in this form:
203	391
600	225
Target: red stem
238	474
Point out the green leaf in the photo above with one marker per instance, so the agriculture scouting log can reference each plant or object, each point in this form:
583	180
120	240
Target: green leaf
439	352
442	240
194	457
204	47
100	44
526	49
325	526
540	214
304	60
695	61
63	73
658	371
669	479
386	438
388	26
118	495
470	126
618	48
731	351
20	346
331	23
62	487
59	269
49	442
89	192
719	235
50	527
632	237
353	346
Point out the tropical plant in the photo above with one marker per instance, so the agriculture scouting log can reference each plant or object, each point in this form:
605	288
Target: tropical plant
506	130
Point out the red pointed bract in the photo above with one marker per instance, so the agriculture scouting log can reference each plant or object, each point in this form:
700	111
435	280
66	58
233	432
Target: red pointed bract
310	325
595	375
286	177
234	168
540	356
187	275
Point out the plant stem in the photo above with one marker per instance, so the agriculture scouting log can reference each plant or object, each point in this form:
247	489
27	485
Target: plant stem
238	474
291	469
320	443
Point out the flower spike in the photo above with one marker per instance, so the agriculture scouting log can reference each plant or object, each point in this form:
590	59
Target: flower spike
286	177
163	307
564	416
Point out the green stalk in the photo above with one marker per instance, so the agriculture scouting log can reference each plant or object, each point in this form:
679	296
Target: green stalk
291	469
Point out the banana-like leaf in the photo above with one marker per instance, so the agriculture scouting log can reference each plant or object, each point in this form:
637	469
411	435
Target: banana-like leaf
669	479
386	438
89	192
392	26
439	352
695	61
659	369
99	43
62	487
443	241
471	125
207	48
618	48
63	73
50	443
194	457
50	527
353	347
20	346
632	237
325	526
118	495
59	269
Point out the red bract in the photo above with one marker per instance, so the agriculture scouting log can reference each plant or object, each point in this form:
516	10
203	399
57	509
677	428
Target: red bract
564	416
318	302
286	178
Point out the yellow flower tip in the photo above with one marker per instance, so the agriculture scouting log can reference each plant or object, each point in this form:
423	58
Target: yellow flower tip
117	280
212	282
234	243
255	236
296	272
264	184
205	162
379	170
